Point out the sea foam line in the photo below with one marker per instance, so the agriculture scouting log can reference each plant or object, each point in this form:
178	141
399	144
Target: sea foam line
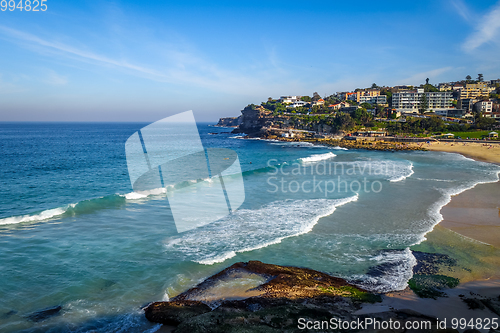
317	157
81	207
44	215
403	177
435	209
191	243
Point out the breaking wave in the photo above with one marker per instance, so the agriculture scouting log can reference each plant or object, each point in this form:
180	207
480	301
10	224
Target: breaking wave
247	230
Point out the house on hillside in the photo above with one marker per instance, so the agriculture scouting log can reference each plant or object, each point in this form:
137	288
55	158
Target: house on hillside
289	99
297	104
338	106
320	101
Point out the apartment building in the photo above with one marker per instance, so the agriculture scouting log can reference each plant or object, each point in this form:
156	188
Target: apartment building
289	99
380	99
371	96
409	101
466	104
484	106
475	90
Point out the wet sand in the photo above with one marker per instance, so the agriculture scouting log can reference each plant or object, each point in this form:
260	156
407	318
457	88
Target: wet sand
475	213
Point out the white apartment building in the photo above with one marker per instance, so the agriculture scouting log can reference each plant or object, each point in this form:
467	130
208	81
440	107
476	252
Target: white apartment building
289	99
297	104
409	101
380	99
484	106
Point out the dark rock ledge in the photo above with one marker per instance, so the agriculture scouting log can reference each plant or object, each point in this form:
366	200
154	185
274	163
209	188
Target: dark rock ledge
290	293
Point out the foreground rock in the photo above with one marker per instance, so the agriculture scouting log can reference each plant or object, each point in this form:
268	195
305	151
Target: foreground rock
287	297
174	313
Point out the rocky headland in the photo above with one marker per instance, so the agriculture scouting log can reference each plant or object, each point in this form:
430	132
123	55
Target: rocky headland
278	298
258	122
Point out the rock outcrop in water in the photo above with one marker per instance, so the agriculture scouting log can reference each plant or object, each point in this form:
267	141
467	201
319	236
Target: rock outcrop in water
289	294
45	313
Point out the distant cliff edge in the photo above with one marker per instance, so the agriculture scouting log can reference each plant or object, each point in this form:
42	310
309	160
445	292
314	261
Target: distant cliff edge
229	122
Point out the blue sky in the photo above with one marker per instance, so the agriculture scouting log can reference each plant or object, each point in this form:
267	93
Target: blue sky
143	61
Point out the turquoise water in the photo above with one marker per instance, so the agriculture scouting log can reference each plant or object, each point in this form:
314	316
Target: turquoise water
73	235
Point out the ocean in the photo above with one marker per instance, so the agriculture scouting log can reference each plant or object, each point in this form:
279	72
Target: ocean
73	234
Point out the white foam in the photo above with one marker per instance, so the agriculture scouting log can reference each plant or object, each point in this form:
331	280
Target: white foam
134	196
218	259
45	215
393	171
407	173
317	157
435	210
139	195
437	180
248	230
393	277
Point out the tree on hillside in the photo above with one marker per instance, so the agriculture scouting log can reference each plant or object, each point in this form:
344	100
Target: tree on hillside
366	106
424	104
389	96
305	98
430	88
427	81
361	116
484	123
374	86
316	96
468	79
480	77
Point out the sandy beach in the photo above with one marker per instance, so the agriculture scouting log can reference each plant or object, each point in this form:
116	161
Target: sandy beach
481	151
474	213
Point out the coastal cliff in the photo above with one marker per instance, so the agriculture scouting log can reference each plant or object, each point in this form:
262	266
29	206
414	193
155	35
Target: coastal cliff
253	120
229	122
257	121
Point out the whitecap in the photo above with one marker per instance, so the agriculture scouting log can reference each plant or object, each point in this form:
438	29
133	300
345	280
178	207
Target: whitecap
45	215
248	230
317	157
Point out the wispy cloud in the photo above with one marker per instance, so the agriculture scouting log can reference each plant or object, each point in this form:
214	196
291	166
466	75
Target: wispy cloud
9	88
69	50
487	30
178	67
462	10
420	77
55	79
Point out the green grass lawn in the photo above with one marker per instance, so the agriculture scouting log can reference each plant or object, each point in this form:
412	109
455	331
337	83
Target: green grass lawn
471	134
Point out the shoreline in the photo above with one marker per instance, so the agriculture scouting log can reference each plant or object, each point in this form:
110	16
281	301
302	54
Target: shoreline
478	151
473	213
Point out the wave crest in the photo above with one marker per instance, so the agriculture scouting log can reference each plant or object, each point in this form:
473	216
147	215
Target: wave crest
247	230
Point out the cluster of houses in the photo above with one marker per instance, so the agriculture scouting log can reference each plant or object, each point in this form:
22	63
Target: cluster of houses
455	101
